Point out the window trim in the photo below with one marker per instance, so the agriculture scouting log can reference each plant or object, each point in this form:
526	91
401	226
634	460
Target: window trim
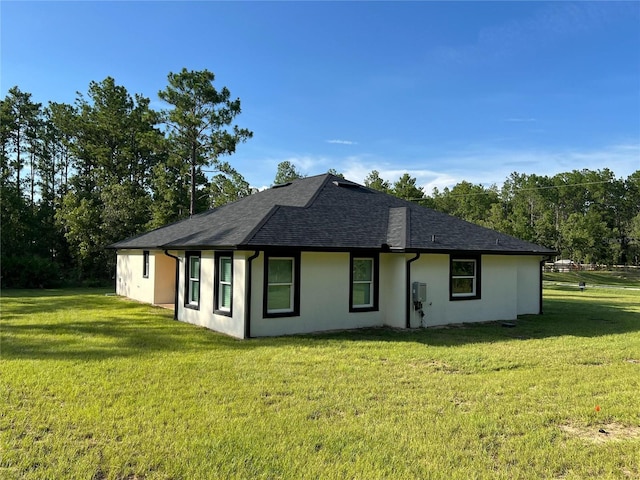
218	309
295	311
145	264
187	274
477	277
375	257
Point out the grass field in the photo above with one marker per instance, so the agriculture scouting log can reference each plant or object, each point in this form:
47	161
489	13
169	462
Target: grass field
96	387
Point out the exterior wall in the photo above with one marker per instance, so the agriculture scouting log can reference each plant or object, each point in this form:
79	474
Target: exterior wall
509	287
163	271
499	290
324	298
393	295
129	280
529	271
204	316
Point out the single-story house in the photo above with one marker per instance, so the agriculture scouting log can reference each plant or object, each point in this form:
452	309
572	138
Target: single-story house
323	253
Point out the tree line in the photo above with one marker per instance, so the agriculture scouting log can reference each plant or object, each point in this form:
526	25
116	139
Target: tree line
585	215
77	177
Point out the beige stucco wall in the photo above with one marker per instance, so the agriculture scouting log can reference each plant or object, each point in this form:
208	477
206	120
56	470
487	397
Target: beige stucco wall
324	298
129	280
157	288
529	285
509	286
163	270
204	316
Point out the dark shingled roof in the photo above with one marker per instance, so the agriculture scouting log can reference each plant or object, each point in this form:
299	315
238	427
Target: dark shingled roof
325	212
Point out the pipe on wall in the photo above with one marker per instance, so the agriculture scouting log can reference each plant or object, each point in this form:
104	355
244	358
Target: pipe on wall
175	300
247	296
408	290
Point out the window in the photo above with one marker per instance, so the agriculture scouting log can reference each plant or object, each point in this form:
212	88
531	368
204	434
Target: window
465	278
364	283
192	289
224	283
145	264
282	288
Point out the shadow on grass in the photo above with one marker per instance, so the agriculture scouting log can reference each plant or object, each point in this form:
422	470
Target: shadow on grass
93	326
571	315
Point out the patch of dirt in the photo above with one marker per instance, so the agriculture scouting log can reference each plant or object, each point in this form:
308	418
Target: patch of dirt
602	433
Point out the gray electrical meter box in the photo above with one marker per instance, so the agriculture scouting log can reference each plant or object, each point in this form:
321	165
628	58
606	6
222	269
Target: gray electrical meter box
419	292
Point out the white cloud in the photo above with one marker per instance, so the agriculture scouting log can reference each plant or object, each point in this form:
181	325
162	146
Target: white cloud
479	165
520	120
342	142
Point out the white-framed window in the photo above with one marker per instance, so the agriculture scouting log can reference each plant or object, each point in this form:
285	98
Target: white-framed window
145	263
364	283
281	285
465	278
224	282
192	289
280	289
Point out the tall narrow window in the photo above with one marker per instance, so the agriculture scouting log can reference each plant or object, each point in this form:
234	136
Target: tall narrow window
192	290
465	278
224	283
364	283
282	289
145	264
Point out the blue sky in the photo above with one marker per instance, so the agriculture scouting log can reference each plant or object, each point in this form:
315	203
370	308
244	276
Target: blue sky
446	91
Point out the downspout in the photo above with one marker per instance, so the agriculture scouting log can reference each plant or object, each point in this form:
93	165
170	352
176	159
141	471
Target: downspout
408	290
175	299
247	296
542	262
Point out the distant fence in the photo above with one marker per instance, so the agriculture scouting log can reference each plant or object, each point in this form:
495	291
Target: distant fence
589	267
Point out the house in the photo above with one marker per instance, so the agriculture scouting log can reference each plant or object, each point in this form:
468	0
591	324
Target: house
323	253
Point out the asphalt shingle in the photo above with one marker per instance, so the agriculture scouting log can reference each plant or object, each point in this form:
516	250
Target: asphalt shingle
325	212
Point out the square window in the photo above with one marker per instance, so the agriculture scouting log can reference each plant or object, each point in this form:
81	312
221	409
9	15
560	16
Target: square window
364	283
464	278
282	286
224	283
145	264
192	298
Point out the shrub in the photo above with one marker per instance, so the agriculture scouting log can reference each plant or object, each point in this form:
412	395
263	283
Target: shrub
29	271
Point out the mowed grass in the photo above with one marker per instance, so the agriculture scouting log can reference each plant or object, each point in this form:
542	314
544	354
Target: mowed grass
98	387
623	278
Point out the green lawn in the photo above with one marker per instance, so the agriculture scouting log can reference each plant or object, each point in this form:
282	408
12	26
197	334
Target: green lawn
96	387
622	278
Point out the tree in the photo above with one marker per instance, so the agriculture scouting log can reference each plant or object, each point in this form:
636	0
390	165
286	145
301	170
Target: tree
287	172
115	146
406	188
334	172
373	180
199	124
229	188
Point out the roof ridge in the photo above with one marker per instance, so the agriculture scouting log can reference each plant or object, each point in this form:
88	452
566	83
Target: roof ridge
259	225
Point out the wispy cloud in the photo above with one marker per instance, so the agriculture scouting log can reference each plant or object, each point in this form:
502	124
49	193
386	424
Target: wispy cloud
480	165
342	142
520	120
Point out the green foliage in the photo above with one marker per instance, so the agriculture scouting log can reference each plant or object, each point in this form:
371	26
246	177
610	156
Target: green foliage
228	188
374	181
30	271
287	172
199	125
406	188
97	387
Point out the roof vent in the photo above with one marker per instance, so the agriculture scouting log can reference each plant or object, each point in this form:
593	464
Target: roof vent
280	185
345	184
